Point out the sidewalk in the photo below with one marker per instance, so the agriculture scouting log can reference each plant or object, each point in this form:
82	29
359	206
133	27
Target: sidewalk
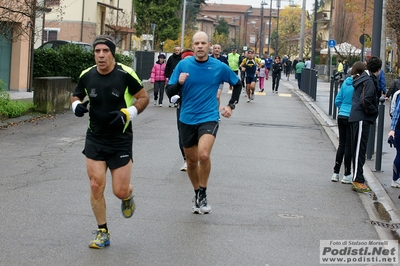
20	95
379	181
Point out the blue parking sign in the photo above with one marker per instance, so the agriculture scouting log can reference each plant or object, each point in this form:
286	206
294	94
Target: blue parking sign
331	43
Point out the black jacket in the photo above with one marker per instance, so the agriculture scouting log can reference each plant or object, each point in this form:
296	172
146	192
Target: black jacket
276	67
365	98
172	61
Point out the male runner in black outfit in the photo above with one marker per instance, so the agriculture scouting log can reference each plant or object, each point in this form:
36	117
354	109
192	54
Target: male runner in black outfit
110	88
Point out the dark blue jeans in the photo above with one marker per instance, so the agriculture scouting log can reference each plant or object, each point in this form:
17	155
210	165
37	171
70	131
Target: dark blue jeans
298	75
396	162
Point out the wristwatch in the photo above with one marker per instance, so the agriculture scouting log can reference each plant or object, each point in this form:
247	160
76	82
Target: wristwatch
232	106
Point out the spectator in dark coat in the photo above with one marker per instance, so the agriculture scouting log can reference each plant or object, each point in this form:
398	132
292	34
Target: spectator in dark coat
172	61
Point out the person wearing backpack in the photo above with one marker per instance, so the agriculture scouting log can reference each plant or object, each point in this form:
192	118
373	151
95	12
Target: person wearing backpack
343	101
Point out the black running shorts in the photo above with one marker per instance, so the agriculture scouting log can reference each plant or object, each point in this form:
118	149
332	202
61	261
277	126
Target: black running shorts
115	158
250	80
191	134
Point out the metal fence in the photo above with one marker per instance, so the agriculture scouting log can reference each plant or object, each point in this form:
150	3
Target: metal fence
143	63
309	77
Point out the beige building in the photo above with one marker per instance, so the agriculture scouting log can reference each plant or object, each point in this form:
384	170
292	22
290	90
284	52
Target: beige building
25	27
83	20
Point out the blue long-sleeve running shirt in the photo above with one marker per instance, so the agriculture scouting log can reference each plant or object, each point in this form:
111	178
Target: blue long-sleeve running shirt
199	92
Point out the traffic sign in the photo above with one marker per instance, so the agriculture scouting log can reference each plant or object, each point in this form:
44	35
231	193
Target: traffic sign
331	43
364	38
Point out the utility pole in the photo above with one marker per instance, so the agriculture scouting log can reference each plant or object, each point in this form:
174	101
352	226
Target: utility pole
269	27
363	32
377	28
314	38
330	69
277	29
303	25
383	38
262	42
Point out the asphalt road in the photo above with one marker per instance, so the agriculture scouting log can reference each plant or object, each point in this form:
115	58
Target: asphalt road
269	189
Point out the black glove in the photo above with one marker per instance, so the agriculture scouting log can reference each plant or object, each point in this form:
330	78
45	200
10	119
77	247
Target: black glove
391	142
119	120
81	109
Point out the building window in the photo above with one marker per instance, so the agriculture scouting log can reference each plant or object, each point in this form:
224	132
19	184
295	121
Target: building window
52	2
50	34
252	39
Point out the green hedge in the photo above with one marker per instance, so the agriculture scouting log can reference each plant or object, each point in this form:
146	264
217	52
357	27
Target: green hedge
68	61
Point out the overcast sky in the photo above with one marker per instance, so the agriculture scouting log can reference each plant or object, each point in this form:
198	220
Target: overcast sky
257	3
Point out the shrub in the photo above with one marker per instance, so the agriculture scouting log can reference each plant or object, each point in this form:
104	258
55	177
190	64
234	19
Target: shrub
12	108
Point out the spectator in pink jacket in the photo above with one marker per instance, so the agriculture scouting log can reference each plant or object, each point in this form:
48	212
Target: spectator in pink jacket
158	79
262	74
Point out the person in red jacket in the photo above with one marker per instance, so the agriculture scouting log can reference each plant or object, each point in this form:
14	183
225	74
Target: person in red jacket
157	78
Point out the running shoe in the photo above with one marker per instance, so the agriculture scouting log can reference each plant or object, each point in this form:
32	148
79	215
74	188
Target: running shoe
101	240
252	96
160	105
360	187
202	203
184	167
347	179
335	177
396	183
196	207
155	102
128	207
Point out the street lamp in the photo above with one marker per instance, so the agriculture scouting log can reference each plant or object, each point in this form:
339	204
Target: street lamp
153	28
303	25
262	42
237	28
183	25
246	17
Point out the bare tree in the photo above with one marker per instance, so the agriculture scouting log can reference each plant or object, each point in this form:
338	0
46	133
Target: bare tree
392	18
17	17
341	28
118	25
